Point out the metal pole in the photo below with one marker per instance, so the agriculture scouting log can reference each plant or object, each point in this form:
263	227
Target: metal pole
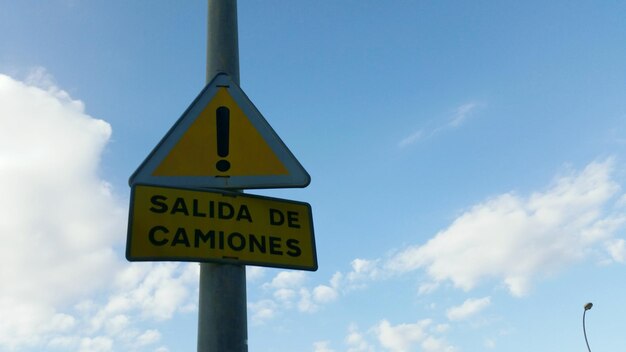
587	307
222	315
222	41
585	332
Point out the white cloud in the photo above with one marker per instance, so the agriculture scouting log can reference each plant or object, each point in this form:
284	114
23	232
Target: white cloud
490	344
622	201
306	304
322	346
516	238
462	113
262	311
287	279
156	293
420	336
363	267
433	344
310	301
402	337
617	249
356	341
41	78
60	221
427	287
255	273
149	337
363	271
469	308
97	344
405	337
324	294
63	343
411	139
335	280
60	226
117	324
285	294
288	291
441	328
459	116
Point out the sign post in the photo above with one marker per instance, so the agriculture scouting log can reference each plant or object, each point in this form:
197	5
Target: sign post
222	310
187	203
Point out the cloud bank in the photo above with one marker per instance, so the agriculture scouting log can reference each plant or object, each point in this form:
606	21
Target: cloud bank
517	239
64	285
510	240
59	221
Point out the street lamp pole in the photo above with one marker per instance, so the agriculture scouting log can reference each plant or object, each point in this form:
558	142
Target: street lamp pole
587	307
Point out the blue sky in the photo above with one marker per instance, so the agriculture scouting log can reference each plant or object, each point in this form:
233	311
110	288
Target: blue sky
468	165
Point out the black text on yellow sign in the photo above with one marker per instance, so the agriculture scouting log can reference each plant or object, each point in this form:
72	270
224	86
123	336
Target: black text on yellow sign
174	224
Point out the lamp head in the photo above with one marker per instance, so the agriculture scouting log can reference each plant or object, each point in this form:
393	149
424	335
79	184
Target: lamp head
588	306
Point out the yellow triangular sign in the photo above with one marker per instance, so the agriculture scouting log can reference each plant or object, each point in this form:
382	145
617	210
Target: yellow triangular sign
246	152
221	141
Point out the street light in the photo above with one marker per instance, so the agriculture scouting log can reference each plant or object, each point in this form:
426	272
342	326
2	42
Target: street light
587	307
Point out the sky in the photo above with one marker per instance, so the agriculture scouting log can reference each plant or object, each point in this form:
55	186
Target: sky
467	162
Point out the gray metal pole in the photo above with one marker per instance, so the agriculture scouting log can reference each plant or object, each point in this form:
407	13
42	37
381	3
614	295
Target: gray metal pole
223	41
222	314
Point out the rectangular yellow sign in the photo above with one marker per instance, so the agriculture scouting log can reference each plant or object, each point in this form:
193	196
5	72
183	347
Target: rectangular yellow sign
175	224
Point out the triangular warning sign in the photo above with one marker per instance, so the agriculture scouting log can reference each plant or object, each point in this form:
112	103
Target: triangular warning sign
221	141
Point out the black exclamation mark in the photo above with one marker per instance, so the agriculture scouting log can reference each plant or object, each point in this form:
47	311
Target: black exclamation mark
222	118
